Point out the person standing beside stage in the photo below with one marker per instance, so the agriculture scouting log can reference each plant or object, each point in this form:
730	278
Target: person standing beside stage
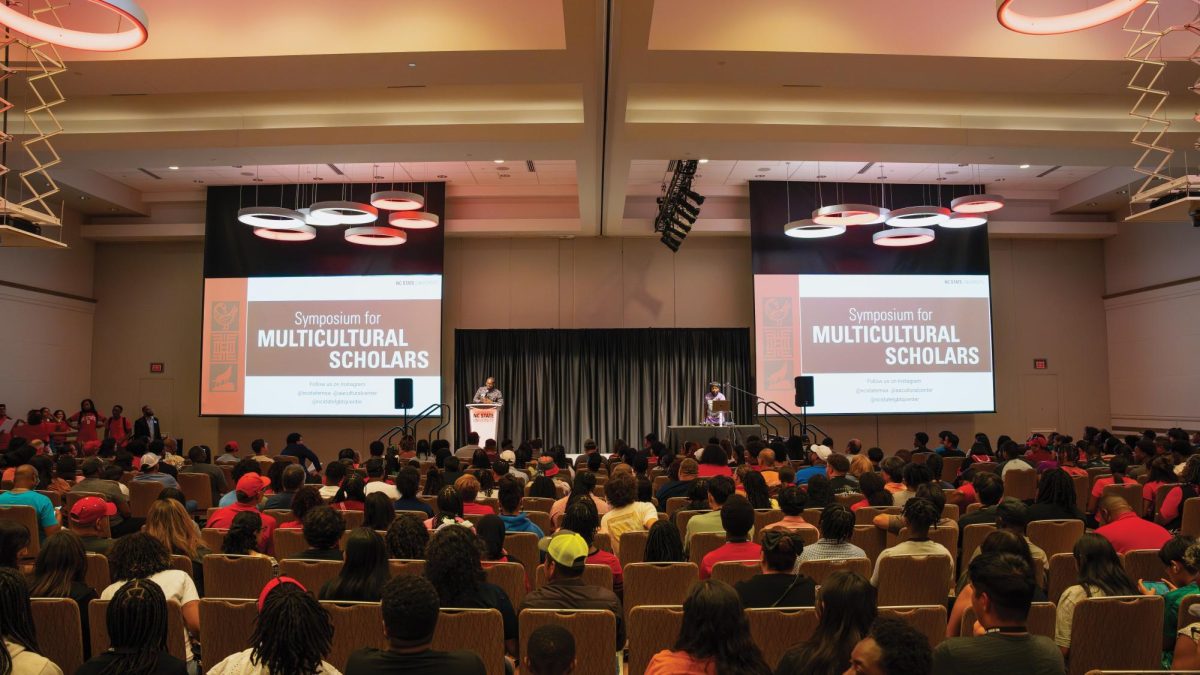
714	394
118	427
87	421
488	393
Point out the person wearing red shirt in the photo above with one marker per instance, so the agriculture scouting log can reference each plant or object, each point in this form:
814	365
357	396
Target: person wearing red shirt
468	489
737	517
1125	530
1119	465
1036	451
351	496
714	462
6	425
117	426
250	489
87	420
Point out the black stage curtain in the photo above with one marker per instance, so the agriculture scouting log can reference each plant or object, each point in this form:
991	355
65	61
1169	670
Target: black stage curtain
565	386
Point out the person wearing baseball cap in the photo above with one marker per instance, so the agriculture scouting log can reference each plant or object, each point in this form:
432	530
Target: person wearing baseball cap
566	558
230	456
249	491
150	472
817	455
85	521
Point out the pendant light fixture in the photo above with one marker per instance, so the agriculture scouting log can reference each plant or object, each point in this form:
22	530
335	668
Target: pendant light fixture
375	235
960	221
125	10
298	233
397	200
903	236
849	214
346	212
807	229
918	216
1062	23
270	217
981	203
413	220
318	219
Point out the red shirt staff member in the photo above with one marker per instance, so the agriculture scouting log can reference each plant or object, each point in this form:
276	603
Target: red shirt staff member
87	421
117	426
6	425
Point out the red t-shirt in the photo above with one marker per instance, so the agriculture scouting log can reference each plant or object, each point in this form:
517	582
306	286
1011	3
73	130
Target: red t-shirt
349	505
87	426
858	505
967	489
1150	488
746	550
478	509
118	428
39	432
291	525
1130	532
710	470
1100	484
223	517
602	557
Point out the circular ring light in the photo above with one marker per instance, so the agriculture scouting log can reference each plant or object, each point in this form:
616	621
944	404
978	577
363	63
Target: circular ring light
1063	23
271	217
347	213
414	220
397	200
807	229
903	236
849	214
374	235
301	233
984	203
135	36
319	219
918	216
960	221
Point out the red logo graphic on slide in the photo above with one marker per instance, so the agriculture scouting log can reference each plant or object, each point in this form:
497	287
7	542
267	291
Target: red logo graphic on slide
223	346
222	377
225	316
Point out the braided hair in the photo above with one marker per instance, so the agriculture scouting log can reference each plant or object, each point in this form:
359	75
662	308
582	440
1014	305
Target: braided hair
16	616
291	633
1057	488
920	514
137	628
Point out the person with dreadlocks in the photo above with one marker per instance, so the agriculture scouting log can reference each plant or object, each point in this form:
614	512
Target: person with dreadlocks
137	632
453	565
20	655
920	514
292	635
1055	498
141	556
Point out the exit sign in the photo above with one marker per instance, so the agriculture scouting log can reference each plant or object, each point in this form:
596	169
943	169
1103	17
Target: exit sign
1040	364
156	367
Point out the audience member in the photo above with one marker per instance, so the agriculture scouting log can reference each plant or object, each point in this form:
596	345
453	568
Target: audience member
566	557
230	454
737	520
663	544
243	536
720	489
59	573
335	473
1100	575
84	520
350	496
778	584
874	493
999	541
24	493
714	636
406	538
151	472
364	572
14	543
296	448
838	471
306	499
988	490
1118	467
377	479
550	650
1181	557
378	511
582	518
1055	498
1125	529
408	483
141	556
449	510
837	526
626	514
892	647
818	455
292	634
845	611
292	480
20	655
511	493
323	528
453	565
136	619
120	522
250	488
920	514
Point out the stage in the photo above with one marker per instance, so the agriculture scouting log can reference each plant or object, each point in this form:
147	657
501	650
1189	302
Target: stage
700	433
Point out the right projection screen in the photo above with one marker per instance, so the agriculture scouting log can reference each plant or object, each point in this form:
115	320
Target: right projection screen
880	330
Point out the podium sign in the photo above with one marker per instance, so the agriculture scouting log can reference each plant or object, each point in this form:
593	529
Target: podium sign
485	420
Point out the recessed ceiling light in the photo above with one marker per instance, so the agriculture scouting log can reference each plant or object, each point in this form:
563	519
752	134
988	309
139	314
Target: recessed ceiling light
999	180
502	168
412	65
247	173
883	178
497	161
378	177
506	175
198	181
314	178
258	180
1122	192
764	168
83	196
1024	166
964	165
822	176
760	175
1093	204
703	161
173	168
441	175
940	178
951	173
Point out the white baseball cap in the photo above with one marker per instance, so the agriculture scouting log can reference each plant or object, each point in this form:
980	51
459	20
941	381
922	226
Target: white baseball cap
821	451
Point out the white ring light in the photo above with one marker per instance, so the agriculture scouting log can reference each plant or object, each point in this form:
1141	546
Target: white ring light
918	216
373	235
1063	23
414	220
849	214
78	39
903	236
347	213
960	221
319	219
397	200
271	217
301	233
807	229
984	203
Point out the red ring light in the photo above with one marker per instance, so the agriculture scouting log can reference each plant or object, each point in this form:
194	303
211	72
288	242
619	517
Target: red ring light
1063	23
77	39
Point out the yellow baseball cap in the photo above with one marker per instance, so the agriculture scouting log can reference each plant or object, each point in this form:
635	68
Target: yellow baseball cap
565	548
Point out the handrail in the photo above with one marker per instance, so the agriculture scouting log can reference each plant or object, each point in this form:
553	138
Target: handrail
445	423
410	424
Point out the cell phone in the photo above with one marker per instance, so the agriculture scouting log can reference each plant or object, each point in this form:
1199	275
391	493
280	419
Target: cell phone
1158	587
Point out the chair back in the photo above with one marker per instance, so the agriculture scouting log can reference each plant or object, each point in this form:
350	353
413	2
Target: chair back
972	538
312	574
819	570
1159	495
951	511
542	520
659	481
950	468
282	516
651	629
1096	472
681	521
990	467
1143	563
914	580
1021	484
847	499
510	577
398	568
929	619
289	542
1131	492
603	541
1184	616
226	625
542	504
633	547
59	631
658	583
196	487
176	633
1083	491
973	507
593	575
183	564
765	517
813	516
594	630
357	625
1055	536
474	630
807	535
1190	527
214	539
142	494
733	571
870	539
235	576
777	629
704	543
354	519
524	547
27	516
1041	620
946	536
1137	619
675	505
866	515
1064	573
97	576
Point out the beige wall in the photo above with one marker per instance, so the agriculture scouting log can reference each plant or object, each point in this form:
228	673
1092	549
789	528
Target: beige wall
1046	303
47	359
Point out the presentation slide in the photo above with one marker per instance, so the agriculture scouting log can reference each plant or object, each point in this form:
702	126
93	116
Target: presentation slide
876	343
329	345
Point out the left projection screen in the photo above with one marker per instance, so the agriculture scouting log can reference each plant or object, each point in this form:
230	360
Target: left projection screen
320	345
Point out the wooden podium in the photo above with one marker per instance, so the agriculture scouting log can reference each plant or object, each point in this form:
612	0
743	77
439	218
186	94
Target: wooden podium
485	420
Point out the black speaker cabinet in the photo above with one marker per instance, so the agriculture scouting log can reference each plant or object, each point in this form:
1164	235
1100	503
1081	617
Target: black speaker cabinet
804	391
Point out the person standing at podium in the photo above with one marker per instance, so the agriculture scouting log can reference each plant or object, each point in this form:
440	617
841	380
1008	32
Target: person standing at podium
714	394
488	393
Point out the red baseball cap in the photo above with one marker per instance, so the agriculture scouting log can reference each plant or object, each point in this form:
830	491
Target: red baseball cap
252	484
231	446
91	509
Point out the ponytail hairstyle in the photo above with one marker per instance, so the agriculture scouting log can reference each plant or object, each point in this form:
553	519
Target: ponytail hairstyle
780	548
920	514
1119	465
